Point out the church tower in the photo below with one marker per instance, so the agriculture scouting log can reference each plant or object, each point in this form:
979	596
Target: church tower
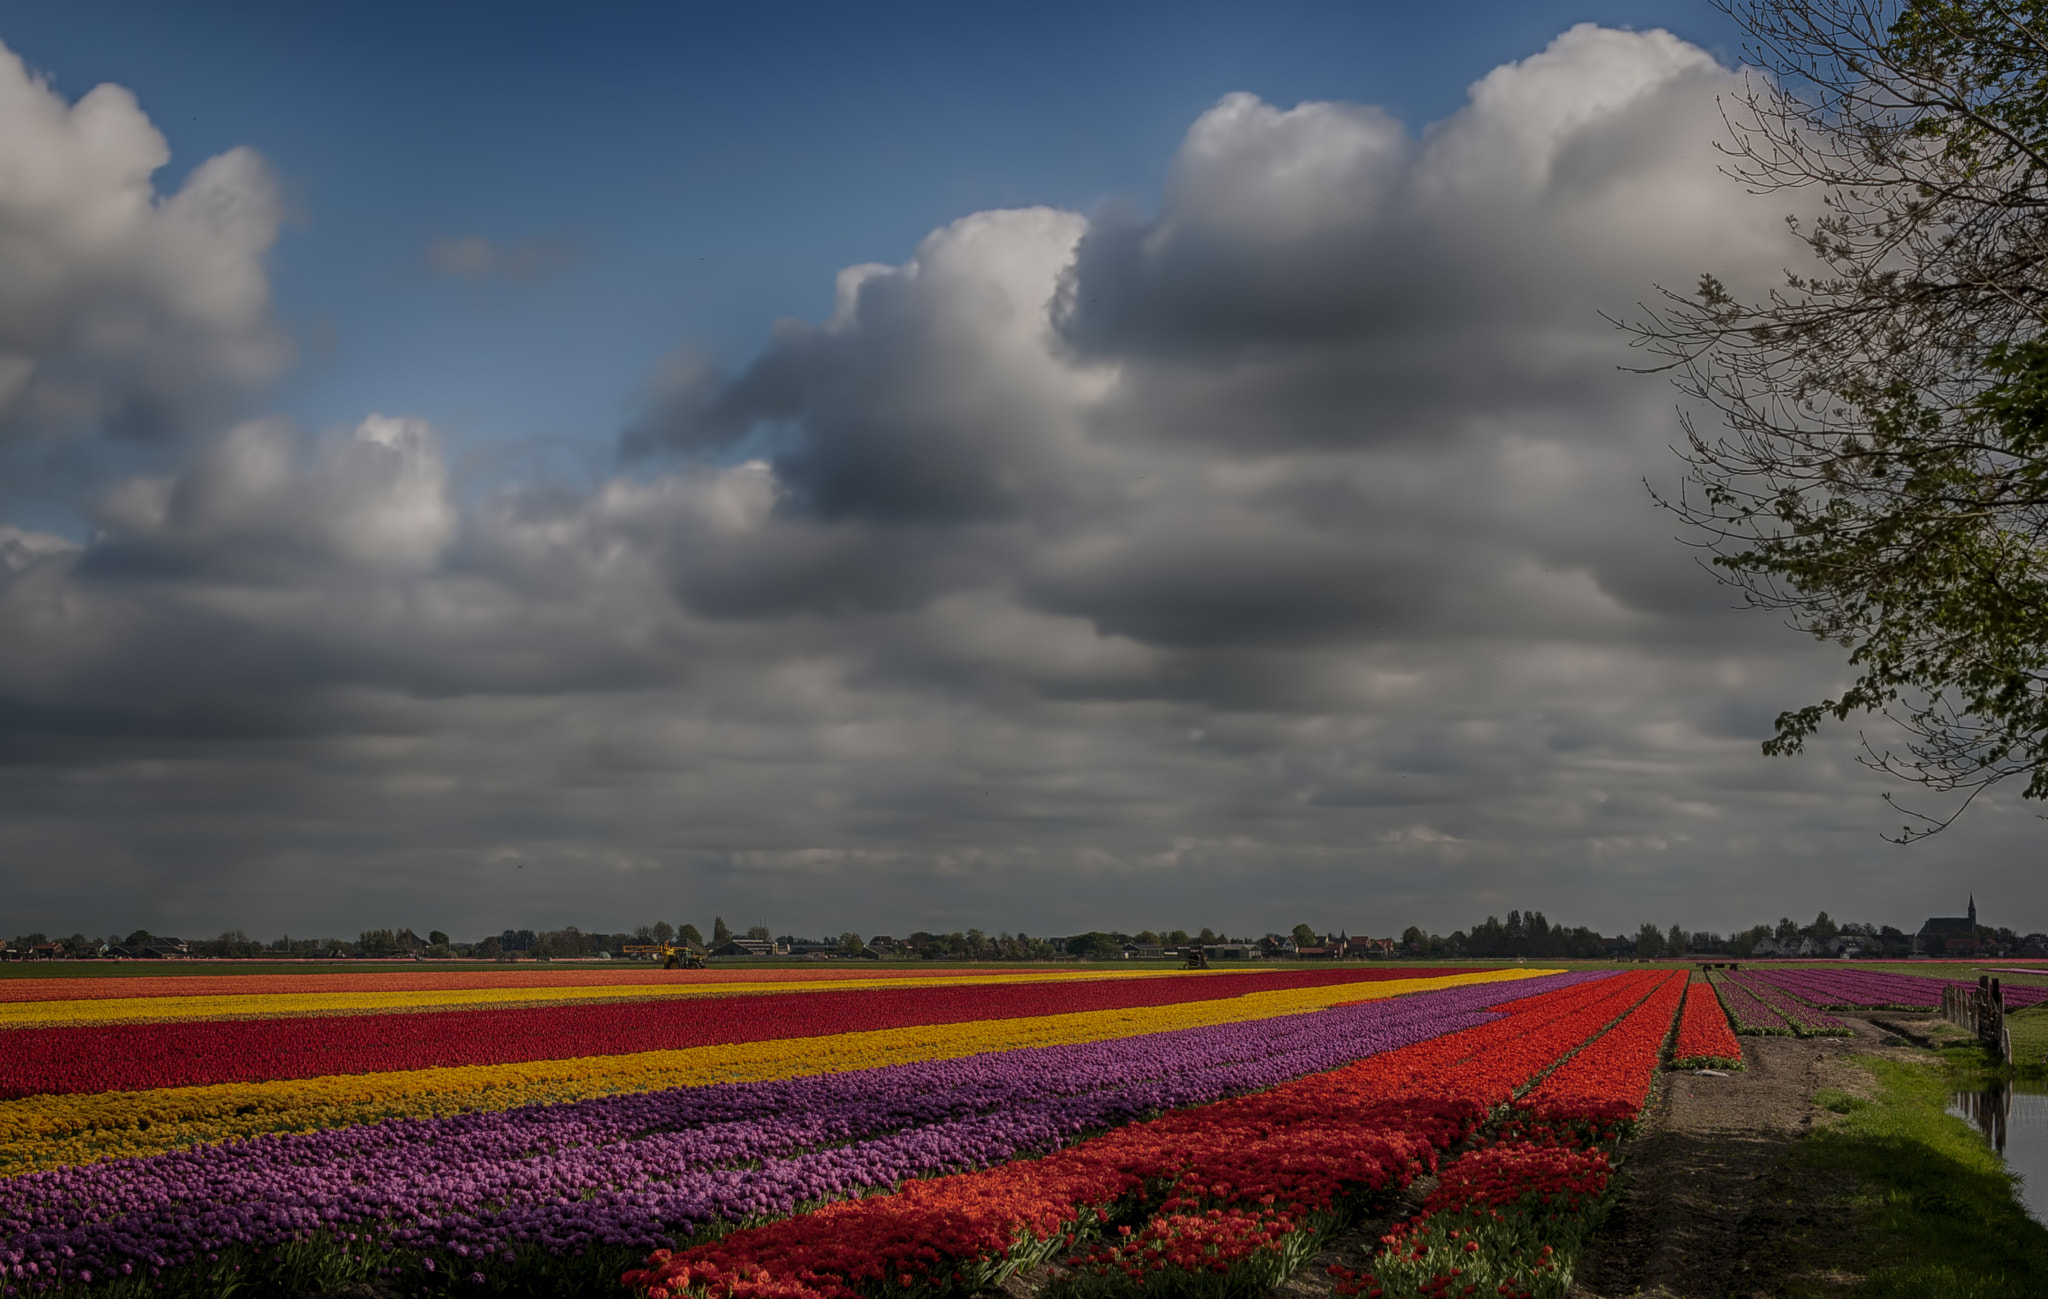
1973	911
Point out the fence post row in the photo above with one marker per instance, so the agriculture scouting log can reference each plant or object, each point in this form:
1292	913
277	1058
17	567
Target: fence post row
1981	1011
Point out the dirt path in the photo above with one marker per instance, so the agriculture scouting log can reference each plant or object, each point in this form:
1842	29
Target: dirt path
1702	1209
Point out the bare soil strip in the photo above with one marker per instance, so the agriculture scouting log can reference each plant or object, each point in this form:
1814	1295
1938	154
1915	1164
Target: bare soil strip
1705	1210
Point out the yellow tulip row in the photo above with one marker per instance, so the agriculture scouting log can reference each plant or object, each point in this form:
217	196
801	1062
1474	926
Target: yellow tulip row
27	1014
50	1131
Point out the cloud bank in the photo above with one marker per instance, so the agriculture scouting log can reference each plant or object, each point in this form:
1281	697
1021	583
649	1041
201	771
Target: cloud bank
1282	554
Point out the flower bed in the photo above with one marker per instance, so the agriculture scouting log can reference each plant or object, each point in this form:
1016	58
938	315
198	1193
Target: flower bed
49	1131
1363	1122
1748	1014
1882	990
1611	1078
1804	1019
604	975
1507	1220
1704	1039
134	1056
554	1185
273	1005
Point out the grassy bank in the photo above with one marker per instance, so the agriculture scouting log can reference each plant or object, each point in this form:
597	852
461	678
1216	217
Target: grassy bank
1929	1208
2029	1030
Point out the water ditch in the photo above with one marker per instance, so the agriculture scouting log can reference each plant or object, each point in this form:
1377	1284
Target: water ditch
2014	1118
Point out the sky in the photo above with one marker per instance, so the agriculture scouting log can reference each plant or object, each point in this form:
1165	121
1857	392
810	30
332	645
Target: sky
888	468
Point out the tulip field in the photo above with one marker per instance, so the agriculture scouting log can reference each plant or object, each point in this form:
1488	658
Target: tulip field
820	1134
1793	1001
1853	989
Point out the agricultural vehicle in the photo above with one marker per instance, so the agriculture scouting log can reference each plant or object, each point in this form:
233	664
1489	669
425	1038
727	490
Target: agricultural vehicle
670	956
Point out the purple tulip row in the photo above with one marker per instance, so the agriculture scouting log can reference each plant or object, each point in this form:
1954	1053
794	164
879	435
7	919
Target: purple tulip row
634	1170
1878	989
1804	1019
1747	1013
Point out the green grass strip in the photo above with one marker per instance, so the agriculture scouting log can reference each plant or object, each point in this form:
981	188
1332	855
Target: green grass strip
1936	1215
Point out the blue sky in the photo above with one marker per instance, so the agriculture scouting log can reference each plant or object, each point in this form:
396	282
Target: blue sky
710	167
466	488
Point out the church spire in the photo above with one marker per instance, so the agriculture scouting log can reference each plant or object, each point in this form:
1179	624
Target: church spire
1973	911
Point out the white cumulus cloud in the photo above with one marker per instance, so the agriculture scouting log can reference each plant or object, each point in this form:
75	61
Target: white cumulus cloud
122	308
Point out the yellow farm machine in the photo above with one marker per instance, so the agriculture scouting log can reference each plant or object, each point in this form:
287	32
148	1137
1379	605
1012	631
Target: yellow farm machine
671	956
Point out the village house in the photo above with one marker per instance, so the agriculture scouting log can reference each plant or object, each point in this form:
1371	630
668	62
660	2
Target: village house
749	947
1234	951
1362	948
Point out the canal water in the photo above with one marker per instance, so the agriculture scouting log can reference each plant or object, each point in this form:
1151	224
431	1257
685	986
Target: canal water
2014	1118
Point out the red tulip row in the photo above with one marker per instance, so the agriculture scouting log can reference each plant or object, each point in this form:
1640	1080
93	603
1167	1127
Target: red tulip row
1704	1039
1505	1220
1611	1078
1203	1193
424	978
84	1059
970	1230
1508	1220
1508	1053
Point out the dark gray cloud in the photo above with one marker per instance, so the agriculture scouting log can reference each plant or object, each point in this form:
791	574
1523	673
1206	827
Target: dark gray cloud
1281	555
931	396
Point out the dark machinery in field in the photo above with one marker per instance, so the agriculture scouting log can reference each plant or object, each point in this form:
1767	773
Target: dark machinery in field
670	956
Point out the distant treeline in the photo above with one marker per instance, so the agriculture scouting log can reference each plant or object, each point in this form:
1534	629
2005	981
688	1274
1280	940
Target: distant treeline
1524	935
1533	935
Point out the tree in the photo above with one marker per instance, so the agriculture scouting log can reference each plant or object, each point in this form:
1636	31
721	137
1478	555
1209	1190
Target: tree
1822	928
1677	941
1304	936
568	941
1207	936
1094	945
720	931
1745	942
759	933
1489	938
1584	945
663	931
1414	940
1649	943
437	938
850	944
1881	474
690	935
